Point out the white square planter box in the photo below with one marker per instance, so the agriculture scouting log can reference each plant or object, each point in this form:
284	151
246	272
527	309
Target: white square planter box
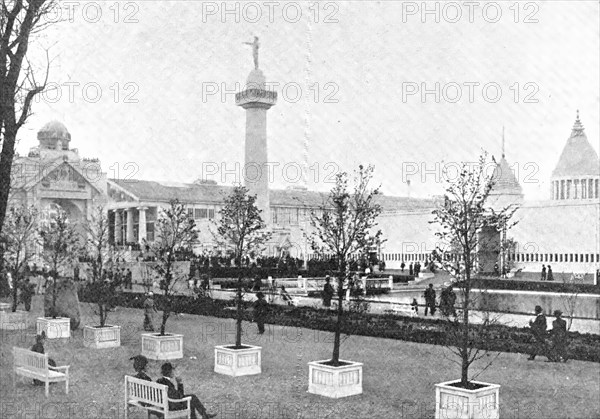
456	402
159	347
58	328
13	321
238	362
335	382
101	337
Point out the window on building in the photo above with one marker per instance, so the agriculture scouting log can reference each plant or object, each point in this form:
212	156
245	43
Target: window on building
587	257
536	257
562	189
274	215
211	213
561	258
576	257
190	212
584	188
571	257
575	187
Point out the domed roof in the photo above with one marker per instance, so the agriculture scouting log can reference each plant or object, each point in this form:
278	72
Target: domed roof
54	130
578	158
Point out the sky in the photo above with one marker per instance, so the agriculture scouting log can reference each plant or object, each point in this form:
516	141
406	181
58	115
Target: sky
147	87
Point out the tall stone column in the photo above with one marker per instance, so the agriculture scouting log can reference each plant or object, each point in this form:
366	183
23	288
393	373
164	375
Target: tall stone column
118	232
257	100
142	224
130	236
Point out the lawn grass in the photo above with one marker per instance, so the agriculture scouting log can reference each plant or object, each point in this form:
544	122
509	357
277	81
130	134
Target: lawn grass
399	376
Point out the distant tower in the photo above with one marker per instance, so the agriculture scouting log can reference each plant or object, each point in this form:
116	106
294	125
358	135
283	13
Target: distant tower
506	189
256	100
577	172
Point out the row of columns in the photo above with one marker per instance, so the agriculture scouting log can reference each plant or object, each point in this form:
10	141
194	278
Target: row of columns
126	217
575	189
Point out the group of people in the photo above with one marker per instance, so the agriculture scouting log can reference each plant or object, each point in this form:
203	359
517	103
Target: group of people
553	343
415	270
547	274
175	389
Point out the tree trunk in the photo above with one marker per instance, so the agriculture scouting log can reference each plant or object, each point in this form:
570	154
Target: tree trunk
15	291
6	157
335	358
165	316
464	379
238	325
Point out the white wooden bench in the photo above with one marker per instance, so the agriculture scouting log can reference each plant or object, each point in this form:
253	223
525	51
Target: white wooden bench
152	397
35	365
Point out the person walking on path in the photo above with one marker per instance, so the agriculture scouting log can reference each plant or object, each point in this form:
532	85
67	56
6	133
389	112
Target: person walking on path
539	331
429	295
549	275
327	292
27	292
451	301
149	310
559	338
543	278
261	307
415	306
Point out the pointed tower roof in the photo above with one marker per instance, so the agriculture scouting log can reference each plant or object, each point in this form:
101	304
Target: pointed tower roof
505	181
578	158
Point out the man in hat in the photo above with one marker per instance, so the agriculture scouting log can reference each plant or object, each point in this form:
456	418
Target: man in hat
538	329
327	292
559	338
260	310
175	391
149	310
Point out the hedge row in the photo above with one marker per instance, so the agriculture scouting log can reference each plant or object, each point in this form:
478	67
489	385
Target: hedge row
221	272
499	338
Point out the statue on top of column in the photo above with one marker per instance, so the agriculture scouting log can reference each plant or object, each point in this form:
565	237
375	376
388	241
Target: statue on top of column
254	46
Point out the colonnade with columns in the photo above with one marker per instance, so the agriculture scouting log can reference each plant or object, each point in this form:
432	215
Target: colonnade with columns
131	225
585	188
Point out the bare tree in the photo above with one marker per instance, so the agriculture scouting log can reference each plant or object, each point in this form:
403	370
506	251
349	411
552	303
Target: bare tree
175	230
19	20
62	246
101	258
240	227
19	235
343	226
462	217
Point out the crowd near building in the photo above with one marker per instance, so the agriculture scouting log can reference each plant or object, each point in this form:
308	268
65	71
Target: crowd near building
561	231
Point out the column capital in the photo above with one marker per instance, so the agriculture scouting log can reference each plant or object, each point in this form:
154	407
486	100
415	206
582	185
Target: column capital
142	208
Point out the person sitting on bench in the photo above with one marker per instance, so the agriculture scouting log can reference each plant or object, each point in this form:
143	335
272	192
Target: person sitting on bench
140	362
39	348
175	391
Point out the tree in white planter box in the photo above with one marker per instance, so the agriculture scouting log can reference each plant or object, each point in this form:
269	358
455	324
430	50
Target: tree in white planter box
344	225
175	230
19	235
61	247
465	218
241	229
102	291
